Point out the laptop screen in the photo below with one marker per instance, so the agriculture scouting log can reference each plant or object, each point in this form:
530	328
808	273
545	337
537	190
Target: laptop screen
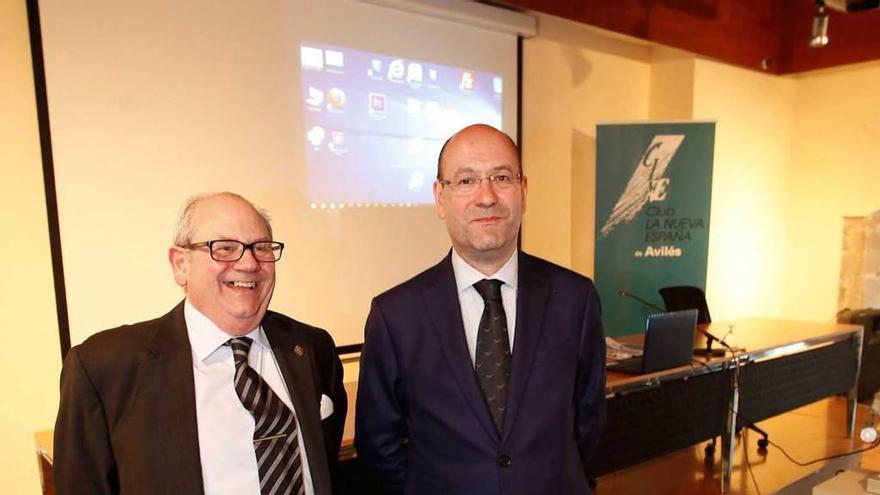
669	340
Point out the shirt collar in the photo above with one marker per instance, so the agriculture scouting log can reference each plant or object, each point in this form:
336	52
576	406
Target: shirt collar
466	275
205	337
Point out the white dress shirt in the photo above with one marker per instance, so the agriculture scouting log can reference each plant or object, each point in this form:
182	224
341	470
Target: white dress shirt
226	428
472	303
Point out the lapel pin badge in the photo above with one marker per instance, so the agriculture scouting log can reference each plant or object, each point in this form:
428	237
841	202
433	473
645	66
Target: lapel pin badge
298	350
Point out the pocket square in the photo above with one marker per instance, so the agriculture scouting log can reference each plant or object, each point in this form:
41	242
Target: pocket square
326	406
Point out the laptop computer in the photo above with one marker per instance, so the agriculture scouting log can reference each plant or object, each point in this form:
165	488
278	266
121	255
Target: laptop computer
669	342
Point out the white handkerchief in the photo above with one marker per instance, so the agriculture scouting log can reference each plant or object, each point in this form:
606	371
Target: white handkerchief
326	406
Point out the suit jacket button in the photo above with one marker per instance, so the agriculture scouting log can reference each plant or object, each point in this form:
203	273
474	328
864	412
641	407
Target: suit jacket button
504	461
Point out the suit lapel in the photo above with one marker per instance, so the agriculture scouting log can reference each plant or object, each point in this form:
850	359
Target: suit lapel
294	358
531	303
441	299
169	377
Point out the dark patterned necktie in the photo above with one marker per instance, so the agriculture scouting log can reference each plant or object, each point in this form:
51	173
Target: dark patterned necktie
275	440
492	358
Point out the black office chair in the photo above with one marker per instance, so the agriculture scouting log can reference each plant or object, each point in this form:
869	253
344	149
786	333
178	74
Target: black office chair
679	297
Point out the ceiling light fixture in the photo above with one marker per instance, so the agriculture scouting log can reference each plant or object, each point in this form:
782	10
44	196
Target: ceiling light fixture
819	36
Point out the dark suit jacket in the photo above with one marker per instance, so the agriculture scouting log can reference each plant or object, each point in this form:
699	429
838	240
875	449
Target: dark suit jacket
422	425
127	418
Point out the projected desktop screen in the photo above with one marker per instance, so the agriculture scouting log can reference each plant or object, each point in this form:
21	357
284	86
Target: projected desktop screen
310	109
375	123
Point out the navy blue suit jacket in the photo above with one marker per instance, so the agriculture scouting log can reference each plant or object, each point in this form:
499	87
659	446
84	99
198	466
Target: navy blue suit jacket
422	425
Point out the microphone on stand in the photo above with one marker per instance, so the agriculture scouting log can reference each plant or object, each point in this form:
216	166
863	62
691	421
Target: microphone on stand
626	293
708	351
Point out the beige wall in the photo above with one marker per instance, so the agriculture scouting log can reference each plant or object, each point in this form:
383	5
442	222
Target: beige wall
30	361
793	156
754	114
573	77
672	84
834	173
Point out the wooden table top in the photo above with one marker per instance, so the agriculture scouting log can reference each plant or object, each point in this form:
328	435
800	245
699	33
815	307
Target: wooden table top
754	335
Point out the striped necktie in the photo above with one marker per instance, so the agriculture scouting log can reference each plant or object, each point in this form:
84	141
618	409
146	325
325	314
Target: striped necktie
275	439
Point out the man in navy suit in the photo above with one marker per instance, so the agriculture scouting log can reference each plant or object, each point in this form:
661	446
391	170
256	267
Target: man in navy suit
484	374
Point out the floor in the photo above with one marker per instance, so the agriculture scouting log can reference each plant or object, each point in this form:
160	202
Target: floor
807	433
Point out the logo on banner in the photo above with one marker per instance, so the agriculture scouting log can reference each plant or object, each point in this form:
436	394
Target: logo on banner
648	183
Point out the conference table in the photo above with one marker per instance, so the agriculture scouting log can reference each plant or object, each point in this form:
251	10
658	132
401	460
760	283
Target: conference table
780	365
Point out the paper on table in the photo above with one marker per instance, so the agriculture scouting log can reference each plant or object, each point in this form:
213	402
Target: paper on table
615	351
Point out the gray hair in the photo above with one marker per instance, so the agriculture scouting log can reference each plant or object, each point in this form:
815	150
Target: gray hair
184	229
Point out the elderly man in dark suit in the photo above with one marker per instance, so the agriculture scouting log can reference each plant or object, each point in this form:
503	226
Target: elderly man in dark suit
219	396
485	374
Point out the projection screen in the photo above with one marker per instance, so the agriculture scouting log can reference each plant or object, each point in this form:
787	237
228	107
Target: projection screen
327	114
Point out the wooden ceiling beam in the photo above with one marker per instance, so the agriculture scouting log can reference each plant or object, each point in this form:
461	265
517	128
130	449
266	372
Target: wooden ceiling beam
765	35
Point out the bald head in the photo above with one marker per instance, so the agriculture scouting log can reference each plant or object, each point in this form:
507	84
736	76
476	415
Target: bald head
186	221
475	135
481	195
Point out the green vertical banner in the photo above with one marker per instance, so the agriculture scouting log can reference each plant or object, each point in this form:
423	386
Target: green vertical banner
653	193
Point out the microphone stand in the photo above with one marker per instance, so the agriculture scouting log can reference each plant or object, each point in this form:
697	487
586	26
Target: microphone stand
709	351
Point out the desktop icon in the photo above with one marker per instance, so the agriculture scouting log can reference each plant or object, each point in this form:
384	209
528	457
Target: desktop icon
316	136
315	98
337	142
497	85
312	58
414	73
335	99
467	81
396	70
416	181
375	69
334	59
432	75
377	103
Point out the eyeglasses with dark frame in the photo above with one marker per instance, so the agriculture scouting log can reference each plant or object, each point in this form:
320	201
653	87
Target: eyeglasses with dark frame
232	250
467	185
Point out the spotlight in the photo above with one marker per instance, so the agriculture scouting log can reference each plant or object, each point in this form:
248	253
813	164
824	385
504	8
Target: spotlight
819	36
